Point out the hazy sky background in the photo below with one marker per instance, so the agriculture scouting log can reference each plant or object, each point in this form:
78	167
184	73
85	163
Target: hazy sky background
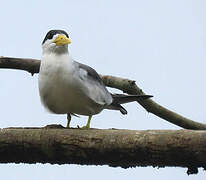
161	44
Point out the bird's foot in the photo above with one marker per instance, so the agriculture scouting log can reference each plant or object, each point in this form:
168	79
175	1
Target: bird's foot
86	127
88	123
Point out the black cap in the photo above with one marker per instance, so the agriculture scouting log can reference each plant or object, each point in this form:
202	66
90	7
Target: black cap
51	33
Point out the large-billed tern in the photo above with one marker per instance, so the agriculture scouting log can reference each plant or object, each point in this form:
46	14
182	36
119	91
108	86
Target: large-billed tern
69	87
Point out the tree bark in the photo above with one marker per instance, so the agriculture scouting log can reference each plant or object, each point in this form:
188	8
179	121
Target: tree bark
124	148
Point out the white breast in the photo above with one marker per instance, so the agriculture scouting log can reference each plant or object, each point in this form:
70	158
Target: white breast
59	89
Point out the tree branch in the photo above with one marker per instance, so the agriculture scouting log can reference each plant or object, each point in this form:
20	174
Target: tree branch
151	106
124	148
127	86
29	65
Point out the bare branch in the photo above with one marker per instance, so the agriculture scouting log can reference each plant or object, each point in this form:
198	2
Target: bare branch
26	64
127	86
124	148
130	87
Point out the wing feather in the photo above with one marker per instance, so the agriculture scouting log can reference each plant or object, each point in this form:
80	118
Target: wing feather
94	84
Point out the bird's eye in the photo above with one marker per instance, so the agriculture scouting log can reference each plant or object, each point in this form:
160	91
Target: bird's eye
50	36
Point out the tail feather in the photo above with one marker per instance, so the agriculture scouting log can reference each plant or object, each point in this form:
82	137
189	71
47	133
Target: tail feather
119	99
122	98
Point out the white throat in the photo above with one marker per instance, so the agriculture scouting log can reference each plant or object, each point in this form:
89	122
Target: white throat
54	49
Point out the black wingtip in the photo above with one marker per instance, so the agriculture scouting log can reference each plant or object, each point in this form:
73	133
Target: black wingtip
123	110
145	96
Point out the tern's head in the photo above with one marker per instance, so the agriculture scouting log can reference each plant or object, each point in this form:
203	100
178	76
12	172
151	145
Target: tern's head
56	41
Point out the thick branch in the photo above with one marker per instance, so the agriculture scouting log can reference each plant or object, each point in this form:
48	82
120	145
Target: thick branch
124	148
127	86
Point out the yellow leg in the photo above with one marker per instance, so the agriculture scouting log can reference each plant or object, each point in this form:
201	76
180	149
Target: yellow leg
68	120
88	123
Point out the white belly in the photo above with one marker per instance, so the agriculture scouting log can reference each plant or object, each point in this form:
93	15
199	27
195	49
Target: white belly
59	91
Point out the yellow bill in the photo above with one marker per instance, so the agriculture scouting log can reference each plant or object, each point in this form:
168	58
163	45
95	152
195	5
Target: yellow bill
62	40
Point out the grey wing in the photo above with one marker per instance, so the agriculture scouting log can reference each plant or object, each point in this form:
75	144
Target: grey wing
96	89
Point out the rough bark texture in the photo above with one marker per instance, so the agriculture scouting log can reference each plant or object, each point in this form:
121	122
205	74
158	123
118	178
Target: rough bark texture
124	148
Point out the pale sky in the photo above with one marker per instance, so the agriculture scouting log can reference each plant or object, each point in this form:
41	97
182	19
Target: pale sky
161	44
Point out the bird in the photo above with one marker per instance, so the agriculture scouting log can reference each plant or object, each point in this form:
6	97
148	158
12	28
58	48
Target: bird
69	87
